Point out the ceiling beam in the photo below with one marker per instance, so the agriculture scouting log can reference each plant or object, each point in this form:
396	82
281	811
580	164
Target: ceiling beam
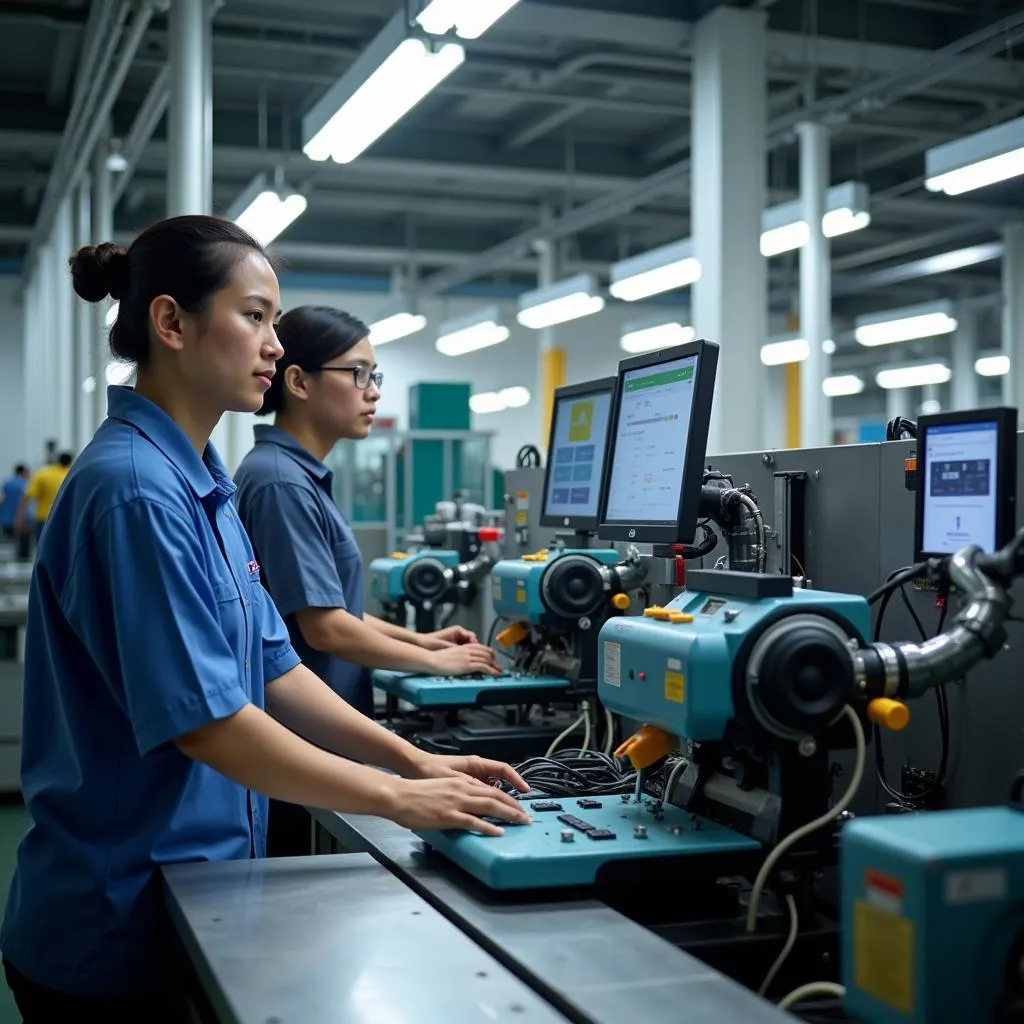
242	160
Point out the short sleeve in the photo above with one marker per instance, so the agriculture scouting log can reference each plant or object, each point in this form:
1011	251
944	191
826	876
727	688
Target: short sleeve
278	654
294	551
32	488
150	622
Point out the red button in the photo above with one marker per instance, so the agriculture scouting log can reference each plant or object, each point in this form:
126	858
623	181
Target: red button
642	676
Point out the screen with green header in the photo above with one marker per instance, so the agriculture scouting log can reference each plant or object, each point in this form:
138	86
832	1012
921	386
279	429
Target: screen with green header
649	457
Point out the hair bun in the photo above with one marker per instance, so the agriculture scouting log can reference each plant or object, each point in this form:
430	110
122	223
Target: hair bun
100	270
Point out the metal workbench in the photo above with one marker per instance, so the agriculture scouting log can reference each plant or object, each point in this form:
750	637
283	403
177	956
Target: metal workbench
302	940
591	962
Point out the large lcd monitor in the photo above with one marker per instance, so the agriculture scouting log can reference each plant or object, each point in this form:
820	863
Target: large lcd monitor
576	455
966	481
661	414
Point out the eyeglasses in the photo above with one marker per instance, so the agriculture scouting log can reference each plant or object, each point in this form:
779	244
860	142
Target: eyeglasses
362	375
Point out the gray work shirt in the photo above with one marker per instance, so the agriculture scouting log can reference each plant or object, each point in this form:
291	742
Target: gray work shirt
307	553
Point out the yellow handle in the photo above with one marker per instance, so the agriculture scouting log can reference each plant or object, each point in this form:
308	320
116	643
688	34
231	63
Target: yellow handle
645	747
621	602
888	714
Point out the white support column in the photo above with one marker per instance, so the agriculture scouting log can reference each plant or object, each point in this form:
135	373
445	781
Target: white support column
81	364
1013	312
901	402
189	137
102	231
32	354
773	408
727	204
815	287
963	352
63	340
47	369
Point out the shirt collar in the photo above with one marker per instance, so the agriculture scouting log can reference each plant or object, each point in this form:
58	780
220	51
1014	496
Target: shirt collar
204	475
265	434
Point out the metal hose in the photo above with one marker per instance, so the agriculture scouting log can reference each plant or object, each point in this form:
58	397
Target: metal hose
977	631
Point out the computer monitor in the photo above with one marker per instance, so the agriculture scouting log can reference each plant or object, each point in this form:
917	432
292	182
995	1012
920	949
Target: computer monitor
576	455
661	414
966	481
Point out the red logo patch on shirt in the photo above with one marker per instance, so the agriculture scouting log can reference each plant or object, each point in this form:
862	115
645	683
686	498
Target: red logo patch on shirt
254	568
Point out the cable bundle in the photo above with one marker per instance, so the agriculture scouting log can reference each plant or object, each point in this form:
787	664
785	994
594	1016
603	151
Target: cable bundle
576	773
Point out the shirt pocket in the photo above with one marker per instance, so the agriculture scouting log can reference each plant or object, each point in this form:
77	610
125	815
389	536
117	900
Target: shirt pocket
235	618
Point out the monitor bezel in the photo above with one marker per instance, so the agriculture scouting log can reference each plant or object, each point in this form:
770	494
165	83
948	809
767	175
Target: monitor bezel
575	524
683	529
1005	419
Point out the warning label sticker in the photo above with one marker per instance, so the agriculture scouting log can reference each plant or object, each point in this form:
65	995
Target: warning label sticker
883	955
612	663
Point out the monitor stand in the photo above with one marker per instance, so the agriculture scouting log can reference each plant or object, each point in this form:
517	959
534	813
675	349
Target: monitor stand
580	540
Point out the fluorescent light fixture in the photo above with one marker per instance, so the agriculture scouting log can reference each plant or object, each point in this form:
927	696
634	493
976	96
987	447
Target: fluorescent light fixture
394	73
785	350
514	397
653	333
570	299
395	326
844	384
118	372
470	18
906	324
994	365
914	375
846	209
264	210
486	402
116	163
984	158
658	270
791	349
476	330
111	314
930	406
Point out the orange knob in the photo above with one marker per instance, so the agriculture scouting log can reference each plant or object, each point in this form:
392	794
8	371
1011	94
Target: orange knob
888	713
621	602
513	634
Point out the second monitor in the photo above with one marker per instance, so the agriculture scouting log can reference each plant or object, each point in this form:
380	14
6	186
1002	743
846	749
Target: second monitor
658	439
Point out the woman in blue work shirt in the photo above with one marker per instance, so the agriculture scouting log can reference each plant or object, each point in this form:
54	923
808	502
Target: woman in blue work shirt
162	692
326	390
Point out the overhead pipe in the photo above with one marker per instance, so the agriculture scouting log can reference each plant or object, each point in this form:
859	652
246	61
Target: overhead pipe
97	125
78	121
153	108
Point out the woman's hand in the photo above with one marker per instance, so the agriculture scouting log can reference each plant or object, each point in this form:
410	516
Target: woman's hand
451	800
453	636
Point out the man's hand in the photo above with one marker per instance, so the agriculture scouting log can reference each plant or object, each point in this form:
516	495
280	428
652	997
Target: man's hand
453	636
485	771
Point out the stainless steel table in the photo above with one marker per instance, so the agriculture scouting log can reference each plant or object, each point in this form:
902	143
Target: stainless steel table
302	940
591	962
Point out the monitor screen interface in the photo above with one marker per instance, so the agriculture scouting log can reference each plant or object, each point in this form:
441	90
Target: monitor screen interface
651	441
577	455
960	468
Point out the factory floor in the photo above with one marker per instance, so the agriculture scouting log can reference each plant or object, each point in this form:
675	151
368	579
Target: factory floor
13	823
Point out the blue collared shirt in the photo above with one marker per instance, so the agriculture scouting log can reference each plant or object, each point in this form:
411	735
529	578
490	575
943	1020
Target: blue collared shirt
308	554
146	621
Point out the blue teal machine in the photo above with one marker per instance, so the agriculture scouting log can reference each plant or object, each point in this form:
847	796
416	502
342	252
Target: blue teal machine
933	915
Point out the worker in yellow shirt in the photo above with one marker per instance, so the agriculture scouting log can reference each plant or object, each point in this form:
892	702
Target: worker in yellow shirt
42	489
